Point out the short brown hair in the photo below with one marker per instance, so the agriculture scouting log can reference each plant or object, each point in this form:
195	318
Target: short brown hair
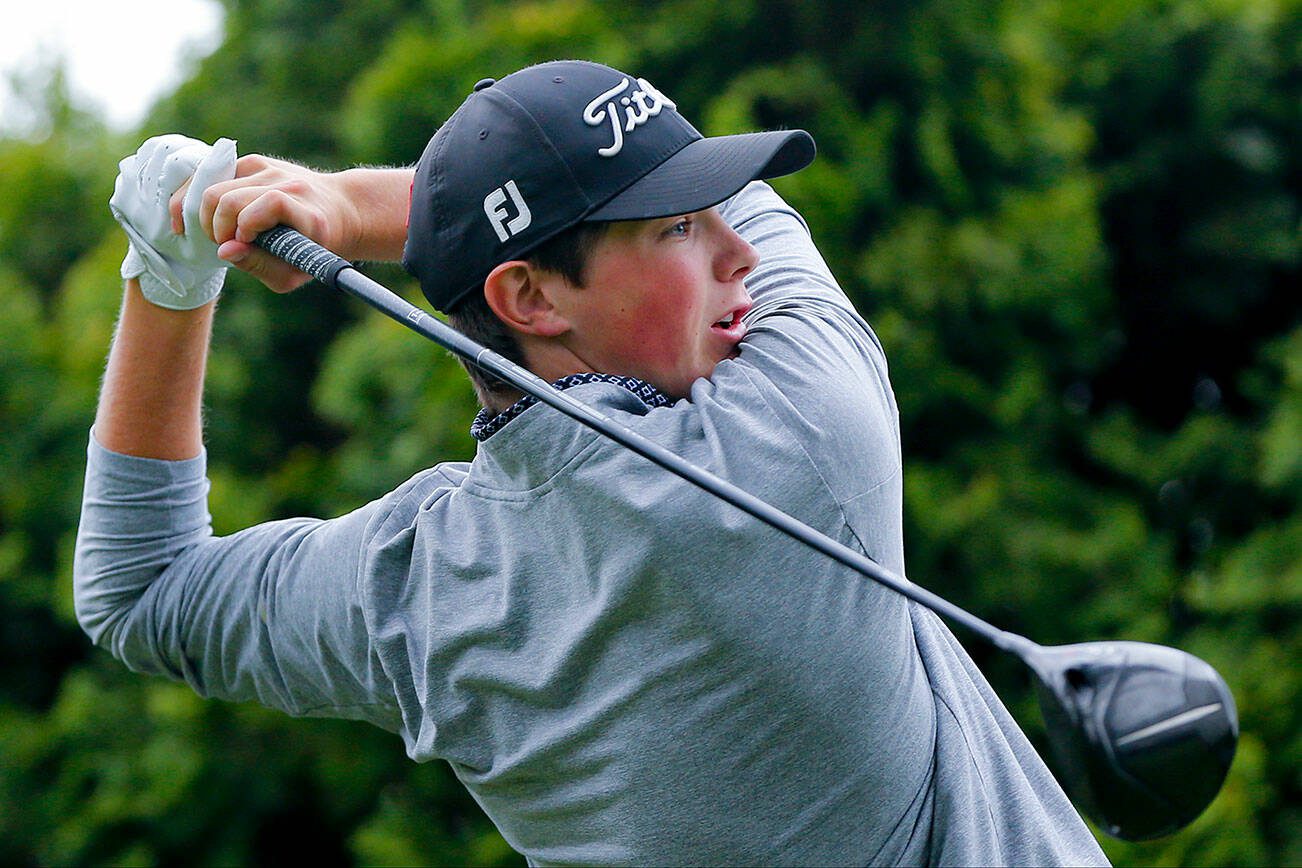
567	255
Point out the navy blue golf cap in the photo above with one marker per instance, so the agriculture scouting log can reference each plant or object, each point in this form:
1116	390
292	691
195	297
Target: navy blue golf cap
545	148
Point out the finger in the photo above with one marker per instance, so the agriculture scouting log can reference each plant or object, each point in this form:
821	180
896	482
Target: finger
274	207
275	273
213	196
225	201
150	160
176	166
251	170
252	164
227	205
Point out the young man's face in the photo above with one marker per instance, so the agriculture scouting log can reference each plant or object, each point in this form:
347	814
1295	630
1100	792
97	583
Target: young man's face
662	300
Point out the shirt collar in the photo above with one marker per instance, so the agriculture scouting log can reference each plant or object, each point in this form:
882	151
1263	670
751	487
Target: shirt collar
486	424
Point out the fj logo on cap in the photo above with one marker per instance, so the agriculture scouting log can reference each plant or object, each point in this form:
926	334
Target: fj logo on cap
643	103
503	223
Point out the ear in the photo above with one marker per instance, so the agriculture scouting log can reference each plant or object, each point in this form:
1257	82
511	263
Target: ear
521	296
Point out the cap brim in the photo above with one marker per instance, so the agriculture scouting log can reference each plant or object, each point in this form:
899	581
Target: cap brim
707	171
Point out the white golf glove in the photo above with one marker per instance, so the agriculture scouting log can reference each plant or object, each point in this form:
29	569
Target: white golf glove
180	272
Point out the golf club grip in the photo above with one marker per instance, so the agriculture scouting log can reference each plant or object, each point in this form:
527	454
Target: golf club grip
314	259
303	253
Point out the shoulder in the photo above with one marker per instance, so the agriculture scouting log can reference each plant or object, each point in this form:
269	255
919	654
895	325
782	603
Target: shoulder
399	508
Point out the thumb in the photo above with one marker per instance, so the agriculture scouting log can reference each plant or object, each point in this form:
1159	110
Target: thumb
217	164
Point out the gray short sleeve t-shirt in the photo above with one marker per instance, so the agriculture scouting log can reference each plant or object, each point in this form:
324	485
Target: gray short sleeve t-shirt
620	669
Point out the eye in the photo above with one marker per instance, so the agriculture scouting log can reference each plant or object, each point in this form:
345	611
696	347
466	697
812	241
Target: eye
681	227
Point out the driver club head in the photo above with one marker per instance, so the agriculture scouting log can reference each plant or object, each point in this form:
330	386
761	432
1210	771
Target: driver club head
1143	734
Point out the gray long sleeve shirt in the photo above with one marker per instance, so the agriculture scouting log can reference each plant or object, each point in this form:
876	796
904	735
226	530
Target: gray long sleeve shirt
620	668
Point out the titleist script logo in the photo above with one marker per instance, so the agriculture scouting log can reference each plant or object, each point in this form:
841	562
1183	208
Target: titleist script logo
643	103
503	223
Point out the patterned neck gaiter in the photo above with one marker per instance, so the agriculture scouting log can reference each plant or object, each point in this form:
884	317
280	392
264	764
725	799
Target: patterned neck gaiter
486	424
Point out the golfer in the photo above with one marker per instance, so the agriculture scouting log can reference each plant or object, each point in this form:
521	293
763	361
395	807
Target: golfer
620	668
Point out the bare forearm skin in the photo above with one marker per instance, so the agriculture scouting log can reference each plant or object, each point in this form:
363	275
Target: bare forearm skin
358	214
150	404
380	197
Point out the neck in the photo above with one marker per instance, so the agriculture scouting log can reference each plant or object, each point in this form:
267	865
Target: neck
498	402
549	360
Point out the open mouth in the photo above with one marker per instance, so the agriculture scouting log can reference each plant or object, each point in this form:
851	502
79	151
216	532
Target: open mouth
731	321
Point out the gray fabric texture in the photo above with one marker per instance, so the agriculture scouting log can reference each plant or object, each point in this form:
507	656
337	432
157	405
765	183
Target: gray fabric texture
620	668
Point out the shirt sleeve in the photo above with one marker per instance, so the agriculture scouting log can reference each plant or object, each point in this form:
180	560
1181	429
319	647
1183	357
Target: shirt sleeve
790	270
815	361
273	614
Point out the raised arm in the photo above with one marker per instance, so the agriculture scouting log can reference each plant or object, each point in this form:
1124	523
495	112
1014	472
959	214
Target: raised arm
150	402
273	613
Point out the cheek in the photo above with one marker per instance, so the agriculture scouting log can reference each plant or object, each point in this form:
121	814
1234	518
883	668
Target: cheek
658	329
638	296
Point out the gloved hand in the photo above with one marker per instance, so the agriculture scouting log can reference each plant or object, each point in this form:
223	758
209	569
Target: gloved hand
180	272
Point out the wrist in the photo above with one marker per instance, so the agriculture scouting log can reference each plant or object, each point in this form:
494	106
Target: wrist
377	205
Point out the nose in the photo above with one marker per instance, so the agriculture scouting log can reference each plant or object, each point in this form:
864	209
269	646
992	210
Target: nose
737	258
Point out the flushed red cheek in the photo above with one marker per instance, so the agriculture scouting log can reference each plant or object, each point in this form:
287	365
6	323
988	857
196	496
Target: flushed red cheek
654	334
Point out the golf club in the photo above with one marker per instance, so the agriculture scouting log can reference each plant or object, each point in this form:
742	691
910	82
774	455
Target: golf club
1143	734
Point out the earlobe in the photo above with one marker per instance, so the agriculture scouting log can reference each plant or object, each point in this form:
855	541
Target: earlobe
520	296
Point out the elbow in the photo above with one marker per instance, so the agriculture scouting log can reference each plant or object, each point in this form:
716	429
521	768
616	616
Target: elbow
115	590
110	578
97	600
138	517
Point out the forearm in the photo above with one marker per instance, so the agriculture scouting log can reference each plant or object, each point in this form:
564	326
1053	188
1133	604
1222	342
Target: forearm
380	197
150	403
358	213
790	270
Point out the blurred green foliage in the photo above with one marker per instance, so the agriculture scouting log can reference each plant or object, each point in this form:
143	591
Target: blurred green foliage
1075	226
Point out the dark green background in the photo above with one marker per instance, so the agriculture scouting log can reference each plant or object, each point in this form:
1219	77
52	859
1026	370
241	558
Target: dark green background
1075	227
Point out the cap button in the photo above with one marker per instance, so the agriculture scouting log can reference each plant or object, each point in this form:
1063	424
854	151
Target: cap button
483	83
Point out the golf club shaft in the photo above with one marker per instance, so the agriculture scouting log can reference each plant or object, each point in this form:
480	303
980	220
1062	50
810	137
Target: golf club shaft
306	255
